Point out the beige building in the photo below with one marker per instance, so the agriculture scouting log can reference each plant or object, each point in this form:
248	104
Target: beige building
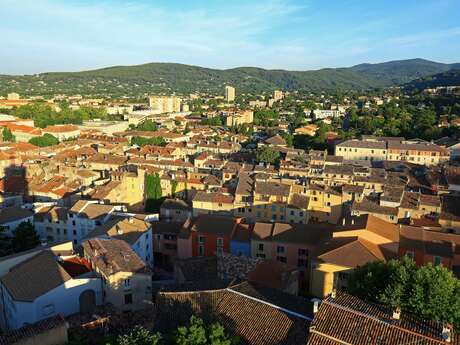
239	118
394	149
278	95
229	93
165	104
126	280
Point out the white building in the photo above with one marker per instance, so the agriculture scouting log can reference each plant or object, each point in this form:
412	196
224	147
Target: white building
11	217
134	231
40	286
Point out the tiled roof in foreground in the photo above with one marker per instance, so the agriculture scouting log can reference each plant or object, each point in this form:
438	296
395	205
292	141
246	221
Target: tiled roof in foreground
346	319
257	316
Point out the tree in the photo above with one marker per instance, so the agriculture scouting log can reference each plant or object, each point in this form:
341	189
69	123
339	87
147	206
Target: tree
24	238
139	336
7	135
173	187
430	291
266	154
198	333
147	125
45	140
153	192
141	141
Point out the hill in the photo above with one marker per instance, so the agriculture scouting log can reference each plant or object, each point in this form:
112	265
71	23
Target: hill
150	78
448	78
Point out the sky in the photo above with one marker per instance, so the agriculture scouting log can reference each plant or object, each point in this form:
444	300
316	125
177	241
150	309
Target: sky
72	35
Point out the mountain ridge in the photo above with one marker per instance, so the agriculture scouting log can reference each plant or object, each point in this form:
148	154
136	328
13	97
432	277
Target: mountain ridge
164	77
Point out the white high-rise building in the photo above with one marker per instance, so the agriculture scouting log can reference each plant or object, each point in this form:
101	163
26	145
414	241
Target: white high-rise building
229	93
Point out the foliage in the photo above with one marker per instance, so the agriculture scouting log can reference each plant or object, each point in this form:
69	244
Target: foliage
266	154
7	135
43	115
213	121
45	140
198	333
429	291
141	141
153	192
139	336
173	187
147	125
266	118
185	79
24	237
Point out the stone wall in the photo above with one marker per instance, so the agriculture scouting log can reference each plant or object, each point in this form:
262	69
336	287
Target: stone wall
230	266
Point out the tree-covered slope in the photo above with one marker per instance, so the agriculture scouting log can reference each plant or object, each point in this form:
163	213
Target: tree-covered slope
183	79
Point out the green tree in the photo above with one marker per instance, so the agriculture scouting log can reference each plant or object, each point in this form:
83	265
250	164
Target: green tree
173	187
141	141
431	292
24	238
266	154
45	140
147	125
198	333
139	336
153	192
7	135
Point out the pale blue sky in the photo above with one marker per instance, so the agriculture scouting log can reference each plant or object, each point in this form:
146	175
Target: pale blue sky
52	35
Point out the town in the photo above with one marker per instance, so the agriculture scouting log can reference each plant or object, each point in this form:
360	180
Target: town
121	213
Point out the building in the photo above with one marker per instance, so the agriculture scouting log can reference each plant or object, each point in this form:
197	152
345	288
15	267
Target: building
392	149
44	285
345	319
11	217
240	118
165	104
126	280
62	132
229	93
278	95
134	231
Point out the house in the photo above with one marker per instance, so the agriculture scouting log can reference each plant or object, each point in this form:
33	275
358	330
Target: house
164	243
355	242
62	132
42	286
240	243
84	216
206	235
11	217
256	315
345	319
127	281
426	245
175	210
134	231
51	223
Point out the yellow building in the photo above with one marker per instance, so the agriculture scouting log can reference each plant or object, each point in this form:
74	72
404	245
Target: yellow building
165	104
229	93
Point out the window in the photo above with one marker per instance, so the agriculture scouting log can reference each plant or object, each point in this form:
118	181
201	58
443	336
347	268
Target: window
127	283
75	232
280	249
437	260
129	298
73	223
281	259
410	255
48	309
262	256
292	213
220	241
201	250
261	247
303	252
301	263
201	239
301	214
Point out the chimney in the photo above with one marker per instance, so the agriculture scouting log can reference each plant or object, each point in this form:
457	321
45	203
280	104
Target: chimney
316	303
397	313
333	293
343	221
352	221
131	220
447	333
